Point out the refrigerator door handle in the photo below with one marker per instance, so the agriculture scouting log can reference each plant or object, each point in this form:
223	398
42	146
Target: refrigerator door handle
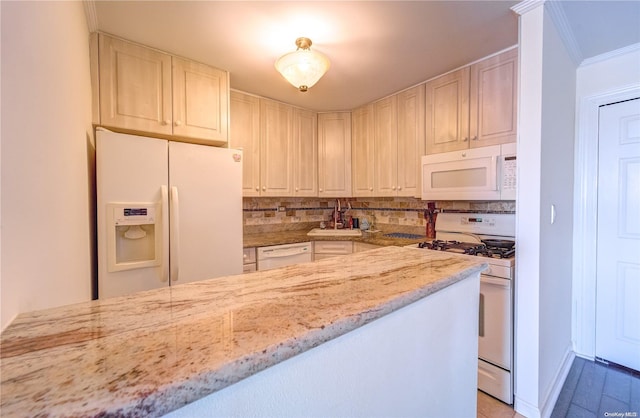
165	233
174	235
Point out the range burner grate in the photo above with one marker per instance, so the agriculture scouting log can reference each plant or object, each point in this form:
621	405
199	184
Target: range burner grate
468	248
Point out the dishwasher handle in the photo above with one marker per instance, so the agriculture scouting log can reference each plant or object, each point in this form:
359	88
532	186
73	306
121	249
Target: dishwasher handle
285	252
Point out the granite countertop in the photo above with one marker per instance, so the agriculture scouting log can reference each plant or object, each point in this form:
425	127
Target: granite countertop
290	237
155	351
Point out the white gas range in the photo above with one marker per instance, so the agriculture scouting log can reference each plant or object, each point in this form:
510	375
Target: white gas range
492	236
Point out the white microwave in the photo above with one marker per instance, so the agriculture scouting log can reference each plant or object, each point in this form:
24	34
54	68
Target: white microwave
486	173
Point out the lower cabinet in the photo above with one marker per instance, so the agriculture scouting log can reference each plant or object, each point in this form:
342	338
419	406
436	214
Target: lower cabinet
327	249
249	260
364	246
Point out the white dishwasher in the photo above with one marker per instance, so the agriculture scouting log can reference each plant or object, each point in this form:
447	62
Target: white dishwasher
284	255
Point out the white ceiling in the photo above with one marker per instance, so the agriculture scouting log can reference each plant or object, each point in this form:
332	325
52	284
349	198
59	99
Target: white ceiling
376	47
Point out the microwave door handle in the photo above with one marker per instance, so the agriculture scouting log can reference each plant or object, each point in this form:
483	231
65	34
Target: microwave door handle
493	176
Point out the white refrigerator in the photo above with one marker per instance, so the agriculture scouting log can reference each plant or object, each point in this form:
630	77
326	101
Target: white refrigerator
168	212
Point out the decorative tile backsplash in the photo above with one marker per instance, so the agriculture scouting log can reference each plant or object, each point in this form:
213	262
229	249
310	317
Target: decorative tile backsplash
297	213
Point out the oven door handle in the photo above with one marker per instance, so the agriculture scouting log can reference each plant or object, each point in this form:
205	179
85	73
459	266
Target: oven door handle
481	317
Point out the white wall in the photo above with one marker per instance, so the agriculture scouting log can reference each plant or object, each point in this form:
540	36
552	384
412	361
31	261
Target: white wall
608	72
558	136
545	164
46	165
527	298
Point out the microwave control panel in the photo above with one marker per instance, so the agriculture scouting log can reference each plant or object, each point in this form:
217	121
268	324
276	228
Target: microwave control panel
509	173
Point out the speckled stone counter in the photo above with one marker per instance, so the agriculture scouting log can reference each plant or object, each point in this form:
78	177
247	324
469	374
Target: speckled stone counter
155	351
291	237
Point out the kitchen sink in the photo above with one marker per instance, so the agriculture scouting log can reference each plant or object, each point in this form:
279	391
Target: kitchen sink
318	232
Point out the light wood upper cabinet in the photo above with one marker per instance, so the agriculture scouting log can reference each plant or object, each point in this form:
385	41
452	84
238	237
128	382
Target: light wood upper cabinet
245	135
474	106
305	153
200	101
362	151
143	90
334	154
280	146
135	87
386	146
399	142
447	112
493	100
276	149
411	140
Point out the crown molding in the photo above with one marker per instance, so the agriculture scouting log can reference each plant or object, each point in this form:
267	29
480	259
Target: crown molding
557	14
526	6
91	15
611	54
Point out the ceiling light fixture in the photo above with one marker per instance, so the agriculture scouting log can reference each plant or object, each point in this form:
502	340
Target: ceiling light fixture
303	67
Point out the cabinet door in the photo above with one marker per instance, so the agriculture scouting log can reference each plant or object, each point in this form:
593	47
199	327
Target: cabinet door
386	146
334	154
135	87
364	246
411	140
332	247
447	112
305	153
493	100
245	135
362	151
200	101
276	149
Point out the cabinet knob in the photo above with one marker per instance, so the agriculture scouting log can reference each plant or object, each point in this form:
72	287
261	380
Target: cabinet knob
319	190
296	189
465	139
257	188
264	188
399	188
370	189
475	138
166	122
464	154
393	188
178	123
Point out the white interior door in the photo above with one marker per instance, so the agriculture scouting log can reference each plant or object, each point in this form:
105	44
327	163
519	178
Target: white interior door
618	247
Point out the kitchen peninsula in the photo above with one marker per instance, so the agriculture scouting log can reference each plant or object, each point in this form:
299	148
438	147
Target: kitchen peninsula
385	331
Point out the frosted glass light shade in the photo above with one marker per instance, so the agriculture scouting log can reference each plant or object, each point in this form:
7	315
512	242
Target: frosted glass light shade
304	67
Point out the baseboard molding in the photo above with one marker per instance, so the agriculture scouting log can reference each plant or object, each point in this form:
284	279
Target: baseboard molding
546	408
558	383
525	408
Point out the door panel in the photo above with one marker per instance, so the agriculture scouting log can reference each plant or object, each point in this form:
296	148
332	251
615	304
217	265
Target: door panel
362	151
618	247
276	148
245	135
199	101
305	151
129	169
209	233
494	340
447	112
135	87
386	146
